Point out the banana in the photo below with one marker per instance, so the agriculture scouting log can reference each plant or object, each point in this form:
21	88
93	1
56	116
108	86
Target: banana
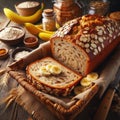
57	25
43	71
78	89
32	29
55	70
40	26
86	81
45	36
36	29
23	19
92	76
50	69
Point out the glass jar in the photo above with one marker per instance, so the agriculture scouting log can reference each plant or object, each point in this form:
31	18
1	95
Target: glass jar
66	10
100	7
48	20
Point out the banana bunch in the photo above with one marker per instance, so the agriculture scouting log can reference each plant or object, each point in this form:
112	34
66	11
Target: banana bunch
86	82
50	69
38	31
23	19
45	36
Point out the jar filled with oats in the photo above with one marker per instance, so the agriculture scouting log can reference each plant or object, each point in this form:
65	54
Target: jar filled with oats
48	21
66	10
100	7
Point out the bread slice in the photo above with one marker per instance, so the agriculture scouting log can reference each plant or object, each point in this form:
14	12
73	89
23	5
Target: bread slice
57	84
115	15
83	43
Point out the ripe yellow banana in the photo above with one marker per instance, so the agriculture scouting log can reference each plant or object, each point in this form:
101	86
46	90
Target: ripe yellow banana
23	19
40	26
45	36
57	25
86	81
36	29
92	76
31	28
79	89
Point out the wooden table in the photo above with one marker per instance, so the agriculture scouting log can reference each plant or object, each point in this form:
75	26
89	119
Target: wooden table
14	111
10	112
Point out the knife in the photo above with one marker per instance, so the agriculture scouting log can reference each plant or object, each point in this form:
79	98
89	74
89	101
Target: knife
103	109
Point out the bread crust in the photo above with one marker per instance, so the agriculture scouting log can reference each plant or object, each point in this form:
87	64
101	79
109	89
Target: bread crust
115	15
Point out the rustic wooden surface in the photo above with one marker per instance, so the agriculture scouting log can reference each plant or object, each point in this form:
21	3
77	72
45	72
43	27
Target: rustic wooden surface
10	113
14	111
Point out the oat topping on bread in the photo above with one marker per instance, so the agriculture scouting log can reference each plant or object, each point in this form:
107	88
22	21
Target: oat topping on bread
83	43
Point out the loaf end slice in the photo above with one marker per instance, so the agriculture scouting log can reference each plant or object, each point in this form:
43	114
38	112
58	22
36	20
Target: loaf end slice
60	84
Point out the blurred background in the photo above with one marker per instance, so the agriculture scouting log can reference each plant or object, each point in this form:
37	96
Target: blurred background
114	4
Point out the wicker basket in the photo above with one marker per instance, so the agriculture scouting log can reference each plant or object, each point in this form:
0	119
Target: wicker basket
63	107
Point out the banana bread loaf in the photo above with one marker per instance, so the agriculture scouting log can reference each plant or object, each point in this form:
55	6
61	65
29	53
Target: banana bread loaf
51	77
83	43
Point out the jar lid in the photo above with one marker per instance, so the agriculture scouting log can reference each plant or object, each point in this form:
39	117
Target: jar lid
48	12
64	1
99	4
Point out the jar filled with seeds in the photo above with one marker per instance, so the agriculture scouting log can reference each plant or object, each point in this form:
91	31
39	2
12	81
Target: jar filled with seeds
100	7
48	21
66	10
